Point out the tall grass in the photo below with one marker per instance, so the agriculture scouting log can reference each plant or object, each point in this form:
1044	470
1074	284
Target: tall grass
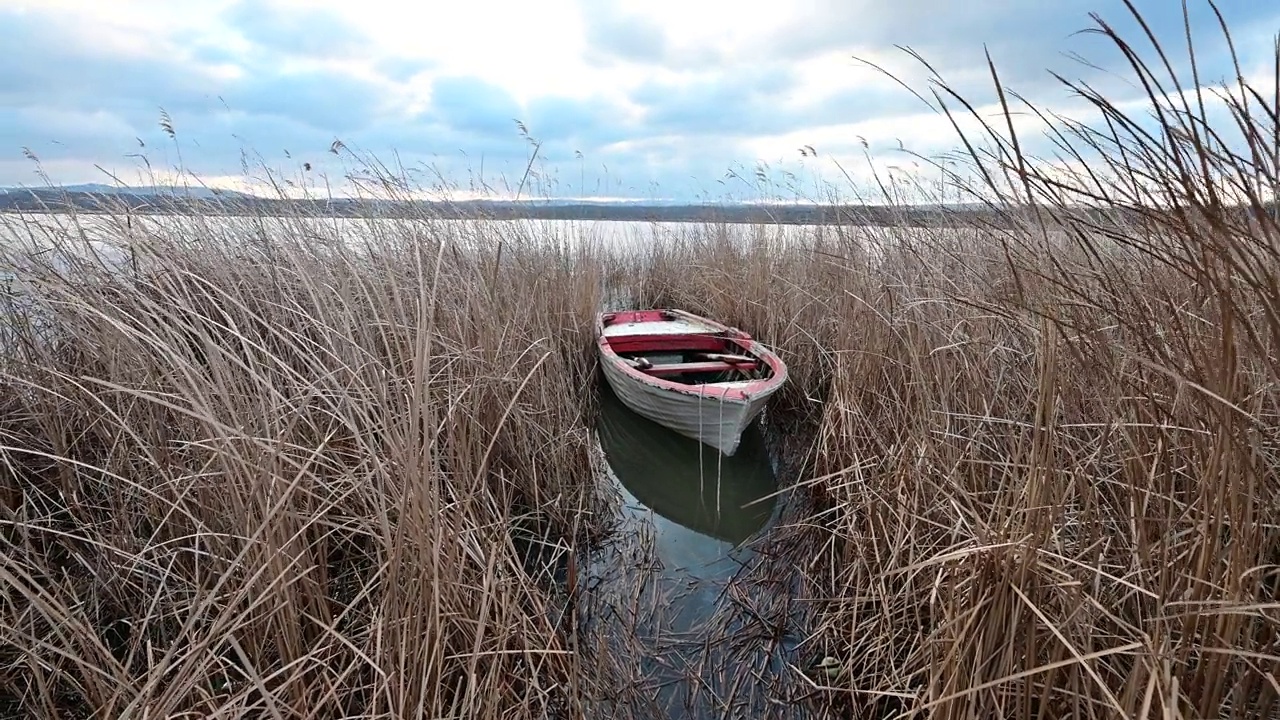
1047	448
299	467
293	468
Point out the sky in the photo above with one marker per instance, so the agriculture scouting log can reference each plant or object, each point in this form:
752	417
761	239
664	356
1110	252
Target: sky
639	99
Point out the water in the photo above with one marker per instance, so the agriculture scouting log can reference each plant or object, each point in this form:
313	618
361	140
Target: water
110	234
689	518
702	502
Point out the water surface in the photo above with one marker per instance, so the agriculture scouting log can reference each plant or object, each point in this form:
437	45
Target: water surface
688	522
698	497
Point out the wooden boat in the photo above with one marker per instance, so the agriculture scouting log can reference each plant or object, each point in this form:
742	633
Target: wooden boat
695	376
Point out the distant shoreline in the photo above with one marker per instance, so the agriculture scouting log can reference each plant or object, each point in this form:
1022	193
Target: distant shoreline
213	203
53	201
234	204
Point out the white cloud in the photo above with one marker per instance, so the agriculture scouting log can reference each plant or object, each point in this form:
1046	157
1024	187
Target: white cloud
137	28
660	90
529	48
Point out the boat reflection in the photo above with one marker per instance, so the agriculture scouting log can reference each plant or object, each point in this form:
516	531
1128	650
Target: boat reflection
685	482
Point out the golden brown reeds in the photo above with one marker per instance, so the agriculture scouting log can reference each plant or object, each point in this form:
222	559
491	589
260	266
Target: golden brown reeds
275	466
1048	441
276	469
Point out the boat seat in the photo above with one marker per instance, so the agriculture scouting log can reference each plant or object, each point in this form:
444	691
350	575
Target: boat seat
697	367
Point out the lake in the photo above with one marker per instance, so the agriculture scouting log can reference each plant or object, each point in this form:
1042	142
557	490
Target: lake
109	235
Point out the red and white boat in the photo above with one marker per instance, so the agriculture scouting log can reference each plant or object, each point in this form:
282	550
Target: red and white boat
700	378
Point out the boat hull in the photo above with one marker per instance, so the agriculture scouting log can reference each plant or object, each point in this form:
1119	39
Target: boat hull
712	420
715	414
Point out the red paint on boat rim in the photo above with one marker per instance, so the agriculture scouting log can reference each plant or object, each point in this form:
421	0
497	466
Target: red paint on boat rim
741	393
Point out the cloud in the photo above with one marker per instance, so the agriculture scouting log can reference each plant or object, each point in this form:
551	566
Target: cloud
617	36
224	135
770	100
310	32
336	101
592	121
63	134
671	34
1025	39
614	34
474	106
637	97
401	69
70	96
62	68
735	104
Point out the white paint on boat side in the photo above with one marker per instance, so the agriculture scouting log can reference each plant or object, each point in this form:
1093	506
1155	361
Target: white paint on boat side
657	327
712	420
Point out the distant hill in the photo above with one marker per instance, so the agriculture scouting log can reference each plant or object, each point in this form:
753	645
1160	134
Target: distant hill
95	198
113	190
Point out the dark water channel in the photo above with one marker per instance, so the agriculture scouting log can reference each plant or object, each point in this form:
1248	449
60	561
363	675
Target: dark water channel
673	590
704	504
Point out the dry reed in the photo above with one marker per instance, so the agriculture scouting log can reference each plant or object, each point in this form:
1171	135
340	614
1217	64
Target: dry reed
293	468
274	466
1048	439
